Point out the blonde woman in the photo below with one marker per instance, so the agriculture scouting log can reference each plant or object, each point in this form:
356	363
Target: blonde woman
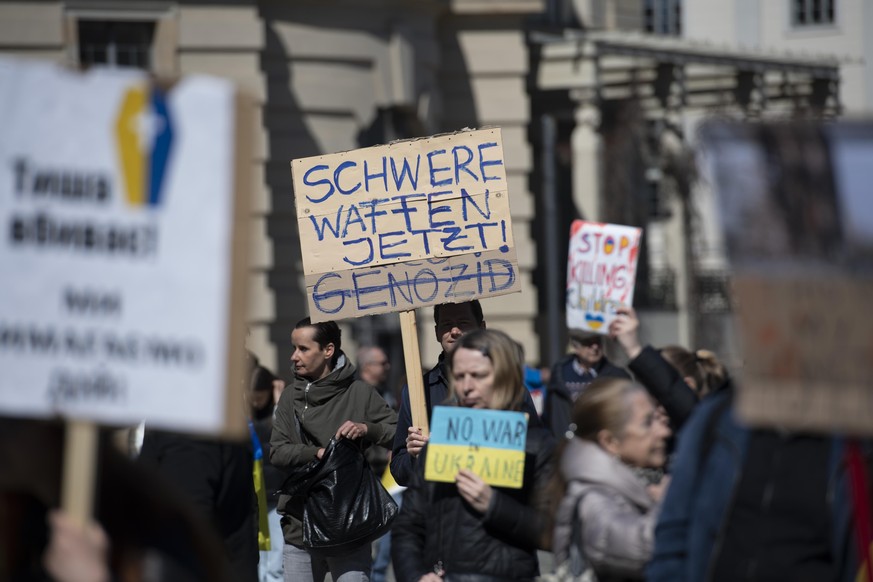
616	431
469	530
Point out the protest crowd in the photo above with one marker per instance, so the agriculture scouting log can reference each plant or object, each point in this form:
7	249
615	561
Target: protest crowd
619	461
608	493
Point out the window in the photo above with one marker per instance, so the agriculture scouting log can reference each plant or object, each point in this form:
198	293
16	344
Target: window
116	43
812	12
663	17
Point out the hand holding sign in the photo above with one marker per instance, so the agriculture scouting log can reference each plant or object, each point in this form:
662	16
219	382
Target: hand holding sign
415	442
624	329
474	490
489	444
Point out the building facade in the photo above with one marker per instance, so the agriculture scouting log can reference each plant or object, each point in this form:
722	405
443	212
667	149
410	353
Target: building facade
327	76
598	101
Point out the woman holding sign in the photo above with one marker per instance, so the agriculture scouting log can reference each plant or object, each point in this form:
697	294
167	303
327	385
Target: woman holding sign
469	530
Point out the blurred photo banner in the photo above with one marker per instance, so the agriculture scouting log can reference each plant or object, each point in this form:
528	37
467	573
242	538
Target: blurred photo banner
601	272
797	212
405	225
490	443
123	247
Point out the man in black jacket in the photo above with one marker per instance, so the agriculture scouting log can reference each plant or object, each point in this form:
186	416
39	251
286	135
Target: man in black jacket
570	376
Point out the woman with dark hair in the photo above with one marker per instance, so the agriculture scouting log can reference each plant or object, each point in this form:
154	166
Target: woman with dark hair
323	401
469	530
606	508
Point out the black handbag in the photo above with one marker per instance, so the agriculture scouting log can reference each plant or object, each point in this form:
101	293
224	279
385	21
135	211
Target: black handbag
339	499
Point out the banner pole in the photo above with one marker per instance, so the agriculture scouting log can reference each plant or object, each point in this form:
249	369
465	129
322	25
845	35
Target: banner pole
80	470
414	379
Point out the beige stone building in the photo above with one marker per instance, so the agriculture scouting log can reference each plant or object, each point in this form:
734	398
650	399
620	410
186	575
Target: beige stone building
597	99
327	76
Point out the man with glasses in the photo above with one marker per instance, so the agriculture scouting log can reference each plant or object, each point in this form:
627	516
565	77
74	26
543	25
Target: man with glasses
571	374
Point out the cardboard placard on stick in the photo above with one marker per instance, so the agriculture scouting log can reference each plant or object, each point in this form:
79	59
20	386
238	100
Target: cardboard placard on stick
414	381
798	224
405	225
124	208
413	223
810	366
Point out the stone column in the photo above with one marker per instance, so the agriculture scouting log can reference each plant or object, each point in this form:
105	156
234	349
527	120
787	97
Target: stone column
587	160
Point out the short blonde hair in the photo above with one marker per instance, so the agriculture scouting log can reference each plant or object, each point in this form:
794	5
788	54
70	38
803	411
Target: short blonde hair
504	355
604	404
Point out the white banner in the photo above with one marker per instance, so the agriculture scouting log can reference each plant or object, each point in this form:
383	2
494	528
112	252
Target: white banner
601	271
117	211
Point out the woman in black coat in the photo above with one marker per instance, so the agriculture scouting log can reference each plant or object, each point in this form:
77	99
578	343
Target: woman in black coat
468	530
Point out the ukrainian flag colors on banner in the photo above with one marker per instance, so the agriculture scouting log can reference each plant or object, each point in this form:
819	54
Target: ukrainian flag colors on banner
260	491
144	136
490	443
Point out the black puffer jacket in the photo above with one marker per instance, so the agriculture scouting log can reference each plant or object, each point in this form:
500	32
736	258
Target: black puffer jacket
437	528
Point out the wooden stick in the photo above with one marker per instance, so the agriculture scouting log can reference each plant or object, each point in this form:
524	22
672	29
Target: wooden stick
414	380
80	470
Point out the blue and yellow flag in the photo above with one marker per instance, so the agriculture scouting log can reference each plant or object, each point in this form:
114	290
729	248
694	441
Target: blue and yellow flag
260	491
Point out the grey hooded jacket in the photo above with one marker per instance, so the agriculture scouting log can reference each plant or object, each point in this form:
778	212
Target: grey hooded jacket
321	407
617	515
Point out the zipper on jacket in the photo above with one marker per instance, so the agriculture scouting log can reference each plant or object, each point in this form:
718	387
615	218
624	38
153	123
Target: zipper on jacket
305	400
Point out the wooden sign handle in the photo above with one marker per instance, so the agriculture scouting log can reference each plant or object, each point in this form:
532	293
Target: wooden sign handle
80	469
414	380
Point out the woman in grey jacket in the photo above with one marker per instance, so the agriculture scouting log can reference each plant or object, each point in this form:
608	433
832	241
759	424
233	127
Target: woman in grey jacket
324	401
617	431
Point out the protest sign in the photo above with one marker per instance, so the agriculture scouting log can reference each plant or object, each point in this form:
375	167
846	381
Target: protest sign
405	225
798	225
601	272
490	443
123	247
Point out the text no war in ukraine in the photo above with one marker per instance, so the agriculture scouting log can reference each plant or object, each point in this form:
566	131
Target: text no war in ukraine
405	225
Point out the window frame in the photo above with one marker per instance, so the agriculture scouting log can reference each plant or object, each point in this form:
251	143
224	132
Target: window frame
165	42
666	17
825	6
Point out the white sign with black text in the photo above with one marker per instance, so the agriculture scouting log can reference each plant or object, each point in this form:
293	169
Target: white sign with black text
117	207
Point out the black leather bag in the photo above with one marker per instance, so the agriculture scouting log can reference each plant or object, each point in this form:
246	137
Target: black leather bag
339	499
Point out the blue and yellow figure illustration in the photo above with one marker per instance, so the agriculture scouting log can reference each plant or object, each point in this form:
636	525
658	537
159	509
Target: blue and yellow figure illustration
144	132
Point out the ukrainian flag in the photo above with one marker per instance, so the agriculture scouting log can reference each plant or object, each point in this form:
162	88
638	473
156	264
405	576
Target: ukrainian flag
260	491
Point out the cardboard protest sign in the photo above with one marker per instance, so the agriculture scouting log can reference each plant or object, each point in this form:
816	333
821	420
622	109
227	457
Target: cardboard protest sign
405	225
601	272
798	225
123	247
490	443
